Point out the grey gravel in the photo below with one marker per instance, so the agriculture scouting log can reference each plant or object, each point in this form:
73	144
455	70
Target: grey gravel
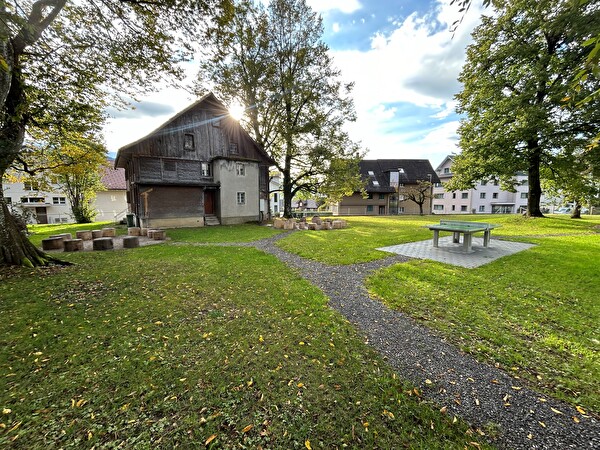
484	396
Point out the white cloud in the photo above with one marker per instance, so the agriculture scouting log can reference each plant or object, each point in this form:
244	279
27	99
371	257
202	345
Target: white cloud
345	6
416	64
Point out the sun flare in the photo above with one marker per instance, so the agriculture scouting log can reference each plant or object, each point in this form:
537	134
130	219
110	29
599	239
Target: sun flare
236	111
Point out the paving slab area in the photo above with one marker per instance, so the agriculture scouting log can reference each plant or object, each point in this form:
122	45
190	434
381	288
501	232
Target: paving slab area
451	253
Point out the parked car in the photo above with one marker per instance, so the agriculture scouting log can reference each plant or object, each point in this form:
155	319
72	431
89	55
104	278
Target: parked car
563	210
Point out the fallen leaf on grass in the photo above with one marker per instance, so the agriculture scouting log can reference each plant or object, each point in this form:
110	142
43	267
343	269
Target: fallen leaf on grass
247	428
575	419
210	439
307	444
581	410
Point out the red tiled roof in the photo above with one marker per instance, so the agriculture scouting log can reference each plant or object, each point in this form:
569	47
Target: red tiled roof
114	179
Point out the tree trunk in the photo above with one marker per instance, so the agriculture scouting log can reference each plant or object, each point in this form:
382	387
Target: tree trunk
287	193
535	189
576	214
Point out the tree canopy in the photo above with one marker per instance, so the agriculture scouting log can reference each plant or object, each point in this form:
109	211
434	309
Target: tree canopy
273	60
516	81
62	62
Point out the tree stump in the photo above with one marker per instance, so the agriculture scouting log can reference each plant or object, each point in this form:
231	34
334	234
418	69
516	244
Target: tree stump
103	243
134	231
317	220
63	236
159	235
73	245
85	235
131	241
96	234
108	232
53	243
150	233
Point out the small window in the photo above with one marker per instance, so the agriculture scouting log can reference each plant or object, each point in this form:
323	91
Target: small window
523	194
482	195
446	169
205	169
233	148
400	209
371	173
463	208
495	182
241	198
8	200
31	186
481	208
240	170
495	195
453	207
275	197
369	208
188	142
438	196
370	196
59	201
113	198
483	182
437	184
454	195
381	196
375	183
438	207
464	195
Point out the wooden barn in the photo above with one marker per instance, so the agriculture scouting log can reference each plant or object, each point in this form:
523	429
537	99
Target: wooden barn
199	168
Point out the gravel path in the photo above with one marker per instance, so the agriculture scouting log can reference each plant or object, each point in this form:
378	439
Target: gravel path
483	395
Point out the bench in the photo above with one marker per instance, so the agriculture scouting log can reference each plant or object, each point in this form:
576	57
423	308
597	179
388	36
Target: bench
467	229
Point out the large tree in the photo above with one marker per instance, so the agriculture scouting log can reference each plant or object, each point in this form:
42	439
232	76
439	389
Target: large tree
62	61
519	71
273	60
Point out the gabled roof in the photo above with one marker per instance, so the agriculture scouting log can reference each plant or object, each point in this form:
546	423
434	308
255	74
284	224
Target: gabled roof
114	179
377	173
127	150
449	158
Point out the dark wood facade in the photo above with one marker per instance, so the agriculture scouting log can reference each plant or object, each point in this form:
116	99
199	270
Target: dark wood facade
176	174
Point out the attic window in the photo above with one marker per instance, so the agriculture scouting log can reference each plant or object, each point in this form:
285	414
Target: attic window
233	148
375	183
188	142
371	173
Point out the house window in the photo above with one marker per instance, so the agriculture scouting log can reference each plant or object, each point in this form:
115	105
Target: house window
205	169
33	200
438	207
437	184
463	208
241	198
31	186
482	195
454	195
400	209
188	142
481	208
453	207
240	170
495	195
464	195
8	200
371	173
59	201
523	194
381	196
370	196
275	197
113	198
369	208
483	182
495	182
446	169
375	183
438	196
169	166
233	148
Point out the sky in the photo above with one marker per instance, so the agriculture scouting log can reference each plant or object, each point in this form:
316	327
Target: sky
403	59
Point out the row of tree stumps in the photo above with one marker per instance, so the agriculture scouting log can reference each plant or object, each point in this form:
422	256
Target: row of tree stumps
316	223
101	239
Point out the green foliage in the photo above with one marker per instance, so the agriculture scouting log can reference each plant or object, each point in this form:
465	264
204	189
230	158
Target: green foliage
273	60
172	346
515	82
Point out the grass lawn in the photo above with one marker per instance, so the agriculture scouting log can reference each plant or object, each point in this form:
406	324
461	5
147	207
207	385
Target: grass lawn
225	233
195	347
358	242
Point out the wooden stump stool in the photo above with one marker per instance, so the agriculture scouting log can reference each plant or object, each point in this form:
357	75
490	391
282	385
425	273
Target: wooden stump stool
73	245
143	231
108	232
96	234
150	233
134	231
63	236
85	235
53	243
103	243
131	242
159	235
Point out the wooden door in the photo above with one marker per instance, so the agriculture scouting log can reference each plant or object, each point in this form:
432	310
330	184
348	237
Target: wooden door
209	202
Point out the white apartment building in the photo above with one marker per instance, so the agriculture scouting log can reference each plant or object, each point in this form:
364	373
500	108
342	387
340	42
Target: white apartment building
40	206
485	198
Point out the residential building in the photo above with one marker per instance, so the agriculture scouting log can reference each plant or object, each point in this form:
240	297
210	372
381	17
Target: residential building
44	206
385	180
111	204
486	197
200	167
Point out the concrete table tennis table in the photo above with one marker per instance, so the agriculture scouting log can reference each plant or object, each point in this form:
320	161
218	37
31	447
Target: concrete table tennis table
467	229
